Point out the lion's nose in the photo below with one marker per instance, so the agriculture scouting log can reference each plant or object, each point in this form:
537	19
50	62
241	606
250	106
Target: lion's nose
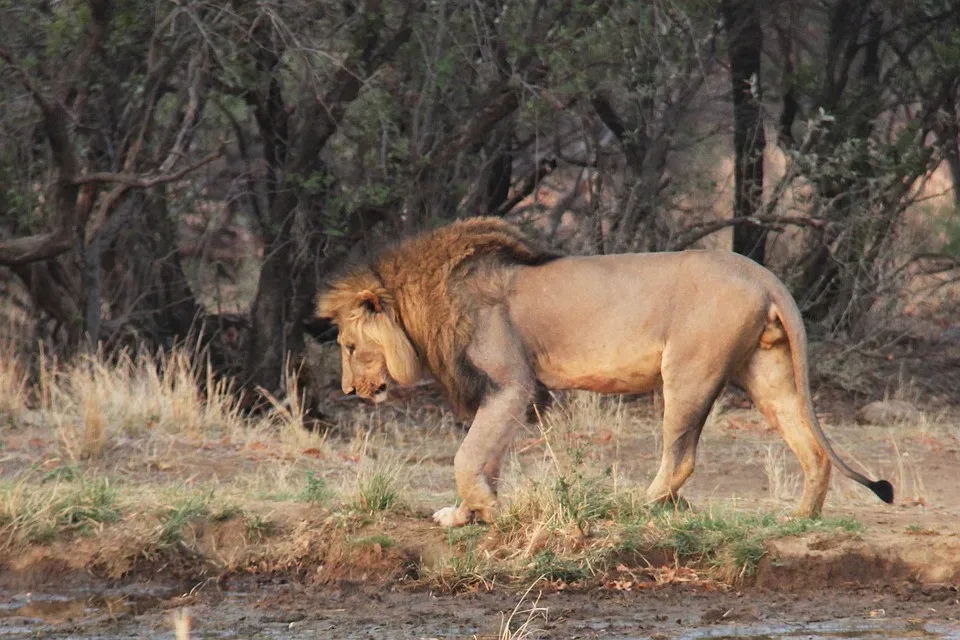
382	388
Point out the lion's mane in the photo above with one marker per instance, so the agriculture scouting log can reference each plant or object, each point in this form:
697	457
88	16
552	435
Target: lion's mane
431	286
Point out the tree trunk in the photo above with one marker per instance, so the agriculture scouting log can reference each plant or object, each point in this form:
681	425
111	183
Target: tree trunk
271	336
498	181
284	294
292	148
745	37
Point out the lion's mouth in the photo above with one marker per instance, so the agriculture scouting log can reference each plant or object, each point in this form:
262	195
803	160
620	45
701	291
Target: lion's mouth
380	396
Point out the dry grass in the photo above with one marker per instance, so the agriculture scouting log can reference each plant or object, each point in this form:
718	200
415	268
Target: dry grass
181	624
782	484
93	401
526	629
13	385
136	462
909	478
150	401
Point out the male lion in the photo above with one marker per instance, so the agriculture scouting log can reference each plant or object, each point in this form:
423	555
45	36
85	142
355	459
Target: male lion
492	317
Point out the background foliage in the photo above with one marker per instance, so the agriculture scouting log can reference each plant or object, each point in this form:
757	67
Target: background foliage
191	169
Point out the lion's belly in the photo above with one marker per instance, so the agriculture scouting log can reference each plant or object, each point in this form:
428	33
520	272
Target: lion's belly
600	372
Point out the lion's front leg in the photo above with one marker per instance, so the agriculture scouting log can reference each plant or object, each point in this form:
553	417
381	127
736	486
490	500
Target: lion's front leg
497	352
478	460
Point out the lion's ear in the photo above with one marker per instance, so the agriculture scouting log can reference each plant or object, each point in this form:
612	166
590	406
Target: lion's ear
370	300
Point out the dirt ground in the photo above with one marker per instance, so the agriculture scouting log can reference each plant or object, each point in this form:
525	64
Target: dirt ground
897	577
354	612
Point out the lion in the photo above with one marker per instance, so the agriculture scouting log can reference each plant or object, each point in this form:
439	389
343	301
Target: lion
494	317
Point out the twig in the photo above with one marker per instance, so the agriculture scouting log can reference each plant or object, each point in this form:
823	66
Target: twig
528	186
704	229
143	182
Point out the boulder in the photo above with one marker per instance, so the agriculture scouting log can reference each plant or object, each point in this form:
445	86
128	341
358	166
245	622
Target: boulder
887	412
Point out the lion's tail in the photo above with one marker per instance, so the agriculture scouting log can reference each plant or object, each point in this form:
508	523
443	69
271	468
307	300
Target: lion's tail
788	313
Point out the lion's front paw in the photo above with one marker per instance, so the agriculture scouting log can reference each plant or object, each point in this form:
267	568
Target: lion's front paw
451	517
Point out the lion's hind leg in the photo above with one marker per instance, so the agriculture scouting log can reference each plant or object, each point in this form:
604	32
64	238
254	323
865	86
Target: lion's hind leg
768	378
686	405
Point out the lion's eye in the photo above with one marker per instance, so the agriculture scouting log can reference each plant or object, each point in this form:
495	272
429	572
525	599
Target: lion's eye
350	348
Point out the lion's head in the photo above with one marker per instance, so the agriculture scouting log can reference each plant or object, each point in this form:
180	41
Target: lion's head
374	348
411	308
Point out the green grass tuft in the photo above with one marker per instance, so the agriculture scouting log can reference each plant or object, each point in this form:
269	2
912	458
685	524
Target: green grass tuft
546	564
378	492
259	527
180	515
732	542
316	490
381	539
91	503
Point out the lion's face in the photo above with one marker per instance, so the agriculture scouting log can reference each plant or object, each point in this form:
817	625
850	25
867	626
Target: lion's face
374	349
364	367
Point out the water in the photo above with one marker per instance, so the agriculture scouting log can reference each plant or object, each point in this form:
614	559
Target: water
882	629
146	613
25	614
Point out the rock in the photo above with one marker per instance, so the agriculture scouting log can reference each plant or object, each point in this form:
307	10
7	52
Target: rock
887	412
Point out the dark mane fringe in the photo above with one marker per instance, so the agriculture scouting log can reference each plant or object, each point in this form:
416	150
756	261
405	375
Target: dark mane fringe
427	276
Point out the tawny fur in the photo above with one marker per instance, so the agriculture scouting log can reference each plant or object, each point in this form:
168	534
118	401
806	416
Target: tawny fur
494	317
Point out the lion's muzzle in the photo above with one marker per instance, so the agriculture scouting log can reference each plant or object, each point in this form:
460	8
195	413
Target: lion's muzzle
369	392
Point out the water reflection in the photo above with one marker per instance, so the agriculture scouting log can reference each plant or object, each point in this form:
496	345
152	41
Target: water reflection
885	629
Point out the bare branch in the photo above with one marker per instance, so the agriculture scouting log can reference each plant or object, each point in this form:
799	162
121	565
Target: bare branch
245	154
543	169
43	246
100	12
633	138
144	182
54	121
934	263
704	229
72	212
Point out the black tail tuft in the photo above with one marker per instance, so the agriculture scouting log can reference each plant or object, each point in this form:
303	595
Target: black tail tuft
883	489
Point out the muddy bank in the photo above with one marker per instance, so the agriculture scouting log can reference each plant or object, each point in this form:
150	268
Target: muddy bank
879	558
410	552
274	609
